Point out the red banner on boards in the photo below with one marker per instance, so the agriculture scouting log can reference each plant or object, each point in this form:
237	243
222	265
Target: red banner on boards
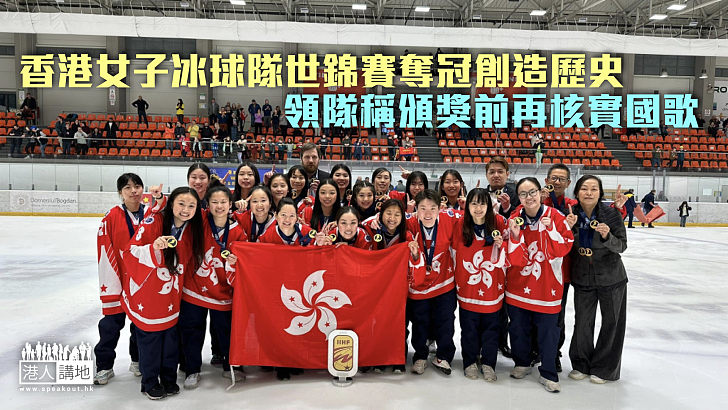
288	299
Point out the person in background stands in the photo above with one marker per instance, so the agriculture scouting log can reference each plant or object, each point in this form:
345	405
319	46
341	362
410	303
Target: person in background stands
180	110
141	107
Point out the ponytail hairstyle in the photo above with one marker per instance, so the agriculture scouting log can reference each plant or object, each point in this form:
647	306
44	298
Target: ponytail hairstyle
194	225
477	195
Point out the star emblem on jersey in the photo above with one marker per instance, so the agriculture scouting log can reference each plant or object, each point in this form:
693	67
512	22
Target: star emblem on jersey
479	270
103	288
526	290
313	285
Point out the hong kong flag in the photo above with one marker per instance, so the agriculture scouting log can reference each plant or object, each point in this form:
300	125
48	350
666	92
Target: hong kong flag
287	299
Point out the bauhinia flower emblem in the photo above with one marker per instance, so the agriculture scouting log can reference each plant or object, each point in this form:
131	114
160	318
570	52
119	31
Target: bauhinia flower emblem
533	255
479	270
170	281
208	265
313	284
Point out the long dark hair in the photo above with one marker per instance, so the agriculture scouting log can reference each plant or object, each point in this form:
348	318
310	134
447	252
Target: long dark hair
237	195
195	227
372	210
477	195
413	176
454	173
401	228
348	172
269	185
304	191
318	212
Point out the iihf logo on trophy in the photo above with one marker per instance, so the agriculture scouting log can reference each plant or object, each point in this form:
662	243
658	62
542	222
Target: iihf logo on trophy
55	363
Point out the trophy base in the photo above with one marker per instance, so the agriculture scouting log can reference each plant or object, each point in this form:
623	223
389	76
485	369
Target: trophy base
342	381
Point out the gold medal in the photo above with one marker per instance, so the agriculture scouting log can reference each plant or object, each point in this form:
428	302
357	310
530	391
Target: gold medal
294	194
312	233
443	199
594	223
332	237
495	234
225	253
585	252
498	192
171	242
519	221
549	188
377	238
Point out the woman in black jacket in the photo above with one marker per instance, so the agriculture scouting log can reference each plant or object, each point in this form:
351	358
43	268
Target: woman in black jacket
598	276
684	210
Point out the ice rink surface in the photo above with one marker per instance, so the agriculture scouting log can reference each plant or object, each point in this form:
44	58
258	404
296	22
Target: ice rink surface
675	356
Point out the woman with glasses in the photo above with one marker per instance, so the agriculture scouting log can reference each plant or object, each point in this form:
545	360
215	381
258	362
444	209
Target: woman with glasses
534	285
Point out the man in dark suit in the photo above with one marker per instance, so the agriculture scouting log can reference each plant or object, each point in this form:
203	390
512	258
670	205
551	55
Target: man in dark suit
497	173
310	155
110	131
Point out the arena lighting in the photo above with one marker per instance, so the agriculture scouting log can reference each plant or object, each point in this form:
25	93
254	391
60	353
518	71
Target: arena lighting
703	74
538	12
184	4
693	23
677	7
663	73
237	2
422	9
583	19
304	10
658	17
359	7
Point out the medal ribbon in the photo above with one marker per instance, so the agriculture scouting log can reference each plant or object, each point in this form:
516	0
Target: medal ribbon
430	252
216	232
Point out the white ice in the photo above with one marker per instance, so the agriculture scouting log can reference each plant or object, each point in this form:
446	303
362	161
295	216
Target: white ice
675	354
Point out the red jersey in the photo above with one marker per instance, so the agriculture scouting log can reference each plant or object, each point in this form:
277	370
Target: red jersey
307	213
362	240
117	228
535	282
480	269
434	278
208	286
154	293
274	235
246	220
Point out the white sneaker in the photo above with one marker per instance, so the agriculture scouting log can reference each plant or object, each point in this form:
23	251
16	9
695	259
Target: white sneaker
192	381
432	345
577	375
489	373
520	372
442	365
102	376
134	369
596	379
239	375
471	372
419	366
549	385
